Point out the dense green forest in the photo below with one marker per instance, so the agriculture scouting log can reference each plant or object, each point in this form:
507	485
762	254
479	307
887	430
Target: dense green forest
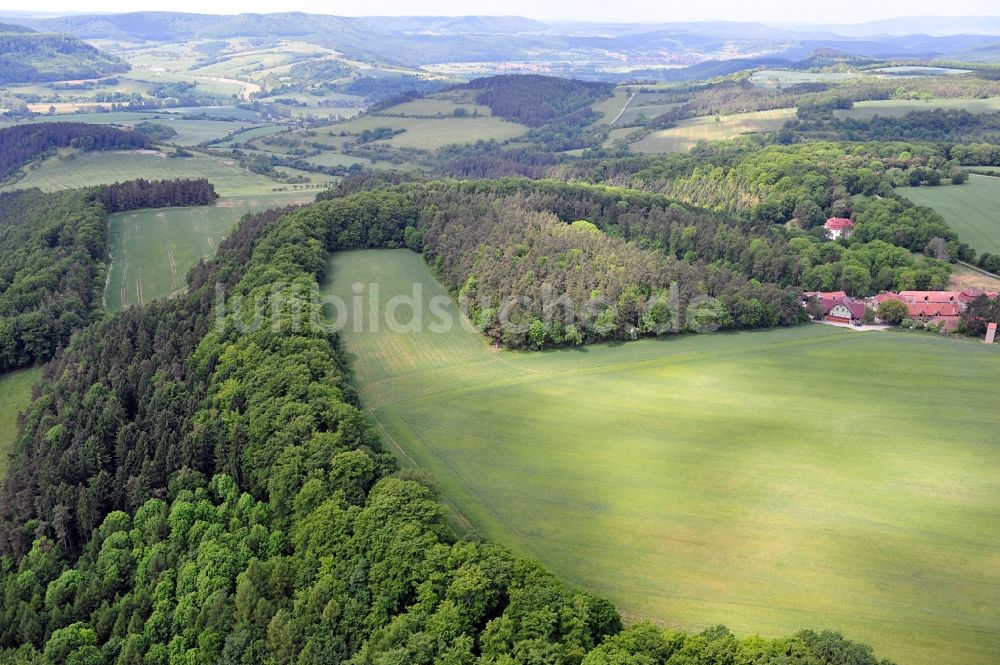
27	56
51	250
185	491
596	264
558	110
938	125
141	193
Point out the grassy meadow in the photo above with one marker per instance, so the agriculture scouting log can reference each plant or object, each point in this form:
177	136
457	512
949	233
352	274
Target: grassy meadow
15	394
783	78
190	132
434	133
74	169
969	209
899	107
152	250
807	477
687	133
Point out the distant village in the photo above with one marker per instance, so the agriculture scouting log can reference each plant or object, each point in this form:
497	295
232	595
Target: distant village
937	310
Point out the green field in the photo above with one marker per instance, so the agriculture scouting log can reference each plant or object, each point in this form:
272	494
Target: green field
431	106
782	78
806	477
970	209
15	394
152	250
189	132
687	133
898	107
97	168
433	133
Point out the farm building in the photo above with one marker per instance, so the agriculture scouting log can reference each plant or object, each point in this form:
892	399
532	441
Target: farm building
943	308
839	227
944	297
944	315
838	307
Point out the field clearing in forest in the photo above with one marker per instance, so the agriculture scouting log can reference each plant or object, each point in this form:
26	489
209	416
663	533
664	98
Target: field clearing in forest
15	394
75	169
774	480
898	107
152	250
686	134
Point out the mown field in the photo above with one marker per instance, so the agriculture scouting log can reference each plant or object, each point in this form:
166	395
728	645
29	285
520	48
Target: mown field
152	250
770	481
963	277
96	168
970	209
687	133
15	393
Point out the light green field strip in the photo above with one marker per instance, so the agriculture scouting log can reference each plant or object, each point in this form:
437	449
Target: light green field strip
433	133
189	132
152	250
15	394
898	107
98	168
687	133
770	481
972	209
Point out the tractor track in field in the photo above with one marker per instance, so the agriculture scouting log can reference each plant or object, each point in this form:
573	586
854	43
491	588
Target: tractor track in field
618	117
173	267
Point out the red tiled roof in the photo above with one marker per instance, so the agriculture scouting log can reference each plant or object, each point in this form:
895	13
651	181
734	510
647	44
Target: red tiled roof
882	297
838	224
968	295
855	307
943	297
934	309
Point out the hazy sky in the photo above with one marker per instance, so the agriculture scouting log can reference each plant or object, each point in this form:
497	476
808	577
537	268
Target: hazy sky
813	11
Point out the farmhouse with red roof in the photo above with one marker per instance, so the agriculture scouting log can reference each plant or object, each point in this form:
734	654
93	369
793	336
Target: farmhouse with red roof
942	308
838	307
839	227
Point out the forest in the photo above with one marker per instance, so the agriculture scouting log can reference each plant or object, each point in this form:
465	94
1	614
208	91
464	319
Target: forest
141	193
183	491
938	125
29	56
51	250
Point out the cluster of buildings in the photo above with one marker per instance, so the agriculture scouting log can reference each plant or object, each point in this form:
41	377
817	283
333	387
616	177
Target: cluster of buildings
941	308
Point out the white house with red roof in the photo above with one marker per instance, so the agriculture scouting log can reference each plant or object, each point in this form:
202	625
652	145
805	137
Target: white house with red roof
838	307
839	227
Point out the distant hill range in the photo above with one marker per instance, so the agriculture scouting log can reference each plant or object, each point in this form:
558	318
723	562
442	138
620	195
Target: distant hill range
27	56
415	41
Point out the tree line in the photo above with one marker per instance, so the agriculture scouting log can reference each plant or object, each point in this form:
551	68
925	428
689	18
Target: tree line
257	519
141	193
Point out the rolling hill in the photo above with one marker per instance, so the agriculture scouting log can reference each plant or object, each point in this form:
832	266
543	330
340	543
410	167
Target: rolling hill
27	56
